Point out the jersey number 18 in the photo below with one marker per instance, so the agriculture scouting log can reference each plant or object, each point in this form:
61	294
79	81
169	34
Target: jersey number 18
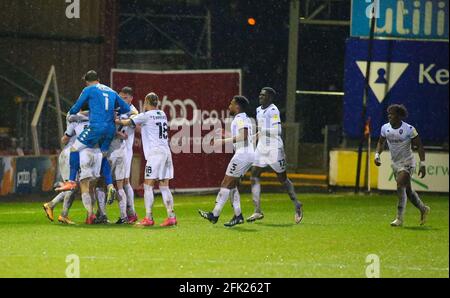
162	130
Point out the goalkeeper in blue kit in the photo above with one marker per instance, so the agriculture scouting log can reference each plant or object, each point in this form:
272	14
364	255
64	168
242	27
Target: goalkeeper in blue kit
102	102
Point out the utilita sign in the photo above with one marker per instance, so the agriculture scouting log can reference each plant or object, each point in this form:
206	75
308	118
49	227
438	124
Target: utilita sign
401	19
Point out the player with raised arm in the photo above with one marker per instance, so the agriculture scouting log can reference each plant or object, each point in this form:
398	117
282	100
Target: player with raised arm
127	94
159	167
270	153
399	136
242	139
102	102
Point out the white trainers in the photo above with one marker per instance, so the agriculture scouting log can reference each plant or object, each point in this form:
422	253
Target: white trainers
397	223
255	216
423	215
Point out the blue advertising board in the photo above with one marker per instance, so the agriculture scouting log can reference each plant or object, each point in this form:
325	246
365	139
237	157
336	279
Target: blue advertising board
34	174
418	19
412	73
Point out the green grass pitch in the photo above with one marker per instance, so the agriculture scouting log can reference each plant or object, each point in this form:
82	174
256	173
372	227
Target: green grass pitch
337	234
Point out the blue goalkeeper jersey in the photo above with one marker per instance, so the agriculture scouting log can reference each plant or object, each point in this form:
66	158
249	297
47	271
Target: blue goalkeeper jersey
102	102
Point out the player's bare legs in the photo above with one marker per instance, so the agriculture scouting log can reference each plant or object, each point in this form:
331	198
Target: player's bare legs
171	219
284	180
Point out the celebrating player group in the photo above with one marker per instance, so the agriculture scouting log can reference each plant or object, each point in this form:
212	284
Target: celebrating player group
98	152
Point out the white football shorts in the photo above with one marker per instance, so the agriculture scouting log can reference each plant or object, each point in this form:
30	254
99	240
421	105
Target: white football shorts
240	164
274	158
159	166
64	164
90	163
117	162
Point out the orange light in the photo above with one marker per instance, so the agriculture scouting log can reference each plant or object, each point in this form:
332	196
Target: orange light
251	21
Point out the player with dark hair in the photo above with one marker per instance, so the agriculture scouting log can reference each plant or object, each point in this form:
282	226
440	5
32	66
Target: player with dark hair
102	102
270	153
400	136
241	137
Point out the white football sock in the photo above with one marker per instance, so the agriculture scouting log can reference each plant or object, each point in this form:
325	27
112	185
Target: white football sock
291	192
235	198
59	198
168	200
402	199
101	200
415	199
68	201
256	194
221	199
87	202
130	199
122	198
148	200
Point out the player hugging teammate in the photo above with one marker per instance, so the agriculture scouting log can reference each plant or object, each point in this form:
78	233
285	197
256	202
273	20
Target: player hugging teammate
99	150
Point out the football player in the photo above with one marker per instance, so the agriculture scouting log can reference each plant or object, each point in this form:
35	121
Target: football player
242	139
270	153
399	136
75	125
102	102
159	167
127	94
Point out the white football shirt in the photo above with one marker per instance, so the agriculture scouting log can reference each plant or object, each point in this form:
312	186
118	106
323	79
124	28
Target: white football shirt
73	130
129	130
239	122
117	143
269	128
399	142
154	130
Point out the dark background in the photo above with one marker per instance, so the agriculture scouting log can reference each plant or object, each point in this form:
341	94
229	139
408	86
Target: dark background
37	34
260	51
